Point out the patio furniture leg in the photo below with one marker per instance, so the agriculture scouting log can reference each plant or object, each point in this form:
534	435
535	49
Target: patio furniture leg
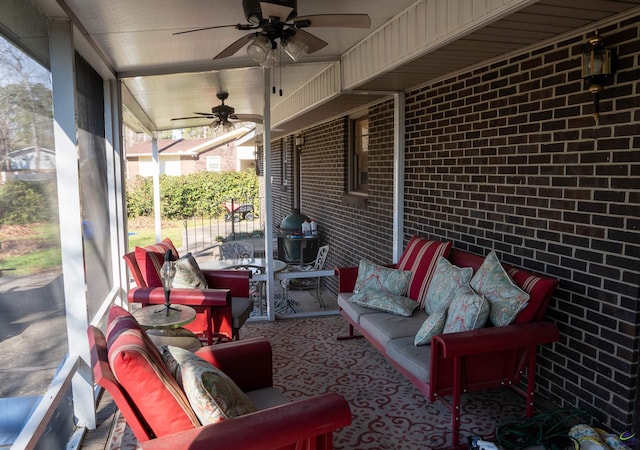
351	335
319	294
455	409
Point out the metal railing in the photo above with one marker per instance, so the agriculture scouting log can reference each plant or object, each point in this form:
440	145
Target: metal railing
241	220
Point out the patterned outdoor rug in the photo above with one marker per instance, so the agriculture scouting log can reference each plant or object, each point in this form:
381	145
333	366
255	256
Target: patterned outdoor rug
388	411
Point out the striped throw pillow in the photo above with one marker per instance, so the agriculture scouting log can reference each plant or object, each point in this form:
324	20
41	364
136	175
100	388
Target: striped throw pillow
151	258
420	257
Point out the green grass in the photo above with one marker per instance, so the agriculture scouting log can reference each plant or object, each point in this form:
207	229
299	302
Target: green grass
48	258
146	236
34	262
45	257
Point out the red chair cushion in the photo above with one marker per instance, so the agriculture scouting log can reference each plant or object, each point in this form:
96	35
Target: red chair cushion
139	368
420	257
151	258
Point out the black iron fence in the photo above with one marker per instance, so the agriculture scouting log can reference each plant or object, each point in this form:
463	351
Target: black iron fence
241	220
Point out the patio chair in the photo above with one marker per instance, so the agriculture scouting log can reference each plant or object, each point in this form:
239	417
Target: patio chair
221	309
245	250
308	282
161	415
236	250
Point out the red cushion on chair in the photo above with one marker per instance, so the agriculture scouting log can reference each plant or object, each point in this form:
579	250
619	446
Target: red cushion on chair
420	258
151	258
140	370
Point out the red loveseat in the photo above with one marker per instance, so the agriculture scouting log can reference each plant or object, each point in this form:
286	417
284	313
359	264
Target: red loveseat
457	362
128	365
220	310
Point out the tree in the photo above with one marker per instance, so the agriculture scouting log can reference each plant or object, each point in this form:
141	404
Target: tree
26	105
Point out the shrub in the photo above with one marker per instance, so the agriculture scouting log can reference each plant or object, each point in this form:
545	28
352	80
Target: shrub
198	194
25	202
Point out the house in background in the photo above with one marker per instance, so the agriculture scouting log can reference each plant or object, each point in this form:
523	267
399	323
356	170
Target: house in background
29	164
185	156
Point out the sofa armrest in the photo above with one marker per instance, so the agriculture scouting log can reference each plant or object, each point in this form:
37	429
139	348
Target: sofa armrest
237	281
247	362
182	296
347	277
272	428
494	339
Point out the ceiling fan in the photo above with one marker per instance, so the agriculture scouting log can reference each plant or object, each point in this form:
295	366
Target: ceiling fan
278	19
223	115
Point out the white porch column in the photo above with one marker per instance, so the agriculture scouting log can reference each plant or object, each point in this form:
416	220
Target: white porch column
398	172
68	182
268	194
156	188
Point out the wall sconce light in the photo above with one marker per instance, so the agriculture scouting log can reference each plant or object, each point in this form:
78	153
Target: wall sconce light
598	68
299	141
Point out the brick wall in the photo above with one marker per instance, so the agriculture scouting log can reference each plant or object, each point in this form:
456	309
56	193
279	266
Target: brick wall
507	157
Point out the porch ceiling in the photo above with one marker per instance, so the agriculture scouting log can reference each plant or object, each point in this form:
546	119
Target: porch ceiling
167	76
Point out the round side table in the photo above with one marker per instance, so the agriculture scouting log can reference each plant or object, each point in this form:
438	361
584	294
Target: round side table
166	329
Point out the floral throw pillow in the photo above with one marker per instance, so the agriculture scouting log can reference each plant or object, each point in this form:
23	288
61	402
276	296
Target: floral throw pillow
188	274
212	394
446	280
384	301
372	277
506	299
432	326
468	311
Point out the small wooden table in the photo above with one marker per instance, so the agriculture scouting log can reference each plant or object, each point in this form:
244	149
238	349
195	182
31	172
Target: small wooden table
166	329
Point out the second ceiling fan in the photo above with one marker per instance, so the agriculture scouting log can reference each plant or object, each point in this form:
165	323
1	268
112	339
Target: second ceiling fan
224	115
278	20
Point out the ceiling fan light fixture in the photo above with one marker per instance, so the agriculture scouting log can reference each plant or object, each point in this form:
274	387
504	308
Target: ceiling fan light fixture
259	49
227	127
273	58
295	47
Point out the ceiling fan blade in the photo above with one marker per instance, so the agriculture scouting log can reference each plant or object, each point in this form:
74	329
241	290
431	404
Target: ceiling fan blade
207	28
235	46
314	42
271	9
203	116
334	21
255	118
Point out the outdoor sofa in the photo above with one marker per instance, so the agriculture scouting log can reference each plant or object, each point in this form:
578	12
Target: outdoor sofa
449	361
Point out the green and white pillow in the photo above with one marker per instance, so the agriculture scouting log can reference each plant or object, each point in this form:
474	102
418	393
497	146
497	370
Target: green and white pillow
372	277
188	274
468	311
446	280
212	394
385	301
433	326
506	299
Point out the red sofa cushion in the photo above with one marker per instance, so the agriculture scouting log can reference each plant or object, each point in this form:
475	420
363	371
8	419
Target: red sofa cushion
151	258
420	257
138	366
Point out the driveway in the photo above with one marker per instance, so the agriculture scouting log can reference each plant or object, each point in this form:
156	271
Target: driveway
33	333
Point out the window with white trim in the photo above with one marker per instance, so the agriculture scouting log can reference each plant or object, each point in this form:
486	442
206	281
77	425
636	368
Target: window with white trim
359	158
213	164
